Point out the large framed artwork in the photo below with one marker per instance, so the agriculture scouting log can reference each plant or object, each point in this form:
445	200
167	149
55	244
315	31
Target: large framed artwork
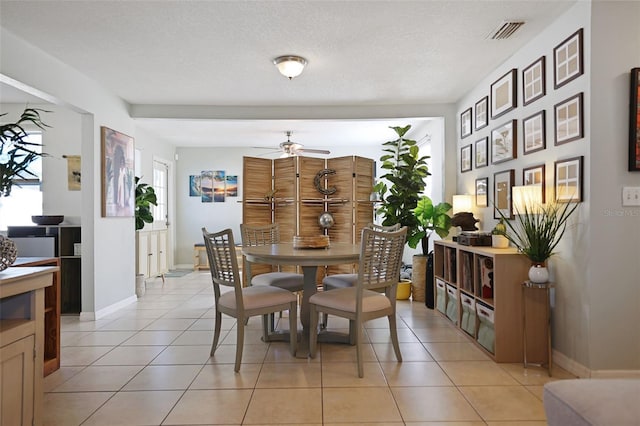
503	94
567	60
502	184
634	122
503	142
533	81
534	133
568	123
568	180
535	176
117	172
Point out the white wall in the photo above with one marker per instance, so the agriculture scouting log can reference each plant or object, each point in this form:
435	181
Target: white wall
107	273
613	277
596	306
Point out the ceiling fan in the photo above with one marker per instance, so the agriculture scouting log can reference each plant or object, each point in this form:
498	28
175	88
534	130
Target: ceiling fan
291	149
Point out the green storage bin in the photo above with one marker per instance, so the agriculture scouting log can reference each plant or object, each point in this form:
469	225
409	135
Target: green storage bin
468	321
441	296
486	329
452	304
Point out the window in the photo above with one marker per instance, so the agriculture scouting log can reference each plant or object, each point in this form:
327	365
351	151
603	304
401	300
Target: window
160	184
26	196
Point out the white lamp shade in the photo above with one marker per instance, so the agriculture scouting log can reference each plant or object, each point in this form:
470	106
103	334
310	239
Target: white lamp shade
526	198
290	66
462	203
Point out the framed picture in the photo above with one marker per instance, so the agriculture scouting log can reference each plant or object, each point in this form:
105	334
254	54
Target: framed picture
206	186
482	152
534	133
568	60
503	142
568	124
118	165
533	81
503	94
535	176
482	113
568	180
465	158
194	186
482	192
219	186
465	123
634	122
232	186
502	184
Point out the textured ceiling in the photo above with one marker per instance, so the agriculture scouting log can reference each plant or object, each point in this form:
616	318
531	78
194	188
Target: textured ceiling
218	53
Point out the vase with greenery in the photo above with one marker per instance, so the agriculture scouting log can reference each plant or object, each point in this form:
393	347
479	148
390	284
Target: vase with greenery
536	231
145	198
405	171
431	218
16	151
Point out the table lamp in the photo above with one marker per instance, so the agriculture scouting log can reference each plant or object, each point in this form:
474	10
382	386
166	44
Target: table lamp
462	215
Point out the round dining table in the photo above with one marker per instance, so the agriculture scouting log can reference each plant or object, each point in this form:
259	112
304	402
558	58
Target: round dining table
309	260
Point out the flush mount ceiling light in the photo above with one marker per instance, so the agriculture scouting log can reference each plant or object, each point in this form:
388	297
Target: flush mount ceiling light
290	65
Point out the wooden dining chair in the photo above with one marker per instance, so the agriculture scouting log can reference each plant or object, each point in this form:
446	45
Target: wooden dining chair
373	296
241	302
331	282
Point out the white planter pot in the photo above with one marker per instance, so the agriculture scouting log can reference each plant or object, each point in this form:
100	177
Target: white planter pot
538	274
499	241
141	288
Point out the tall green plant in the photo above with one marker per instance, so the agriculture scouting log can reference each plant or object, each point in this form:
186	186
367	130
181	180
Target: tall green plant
430	218
406	172
145	197
16	152
538	229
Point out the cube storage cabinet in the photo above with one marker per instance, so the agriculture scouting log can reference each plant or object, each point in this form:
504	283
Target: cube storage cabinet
479	290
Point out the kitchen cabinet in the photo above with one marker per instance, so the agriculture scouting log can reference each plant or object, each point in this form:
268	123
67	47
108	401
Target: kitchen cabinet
22	295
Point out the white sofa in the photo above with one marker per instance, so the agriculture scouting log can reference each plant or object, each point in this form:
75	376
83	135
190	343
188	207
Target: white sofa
604	402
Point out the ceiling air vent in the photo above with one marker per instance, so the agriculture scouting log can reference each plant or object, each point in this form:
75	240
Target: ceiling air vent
505	30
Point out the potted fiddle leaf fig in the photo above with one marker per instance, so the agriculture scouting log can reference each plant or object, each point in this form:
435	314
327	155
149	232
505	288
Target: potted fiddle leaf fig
405	171
16	152
145	198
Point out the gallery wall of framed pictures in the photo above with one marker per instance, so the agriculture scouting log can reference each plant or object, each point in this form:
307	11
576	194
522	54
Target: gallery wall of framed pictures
528	127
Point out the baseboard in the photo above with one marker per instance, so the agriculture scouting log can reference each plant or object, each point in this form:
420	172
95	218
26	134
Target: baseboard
184	266
583	372
92	316
570	365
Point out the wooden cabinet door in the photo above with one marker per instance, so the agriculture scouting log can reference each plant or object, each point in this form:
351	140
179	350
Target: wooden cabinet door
17	366
162	252
153	255
143	253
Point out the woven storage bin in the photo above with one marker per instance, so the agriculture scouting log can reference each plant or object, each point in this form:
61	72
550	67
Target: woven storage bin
419	278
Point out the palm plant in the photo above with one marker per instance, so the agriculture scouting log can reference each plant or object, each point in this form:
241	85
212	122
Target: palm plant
537	230
16	152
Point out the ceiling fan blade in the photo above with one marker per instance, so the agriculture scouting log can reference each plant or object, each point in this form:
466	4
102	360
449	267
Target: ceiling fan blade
315	151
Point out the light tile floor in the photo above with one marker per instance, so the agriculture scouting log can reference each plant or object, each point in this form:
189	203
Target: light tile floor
149	364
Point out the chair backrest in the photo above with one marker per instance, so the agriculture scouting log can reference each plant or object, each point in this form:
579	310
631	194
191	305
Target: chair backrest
380	258
221	252
383	228
260	235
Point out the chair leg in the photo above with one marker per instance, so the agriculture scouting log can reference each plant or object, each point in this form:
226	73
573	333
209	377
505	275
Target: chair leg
313	330
239	343
352	332
394	336
325	320
293	328
216	333
359	348
265	328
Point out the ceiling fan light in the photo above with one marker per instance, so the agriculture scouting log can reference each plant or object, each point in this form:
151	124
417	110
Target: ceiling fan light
290	65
